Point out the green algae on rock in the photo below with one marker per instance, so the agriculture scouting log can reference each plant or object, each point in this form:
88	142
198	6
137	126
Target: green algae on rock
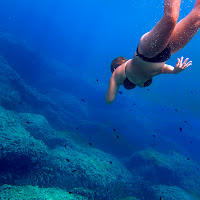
36	193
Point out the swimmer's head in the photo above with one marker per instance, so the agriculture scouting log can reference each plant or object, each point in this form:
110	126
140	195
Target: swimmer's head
117	62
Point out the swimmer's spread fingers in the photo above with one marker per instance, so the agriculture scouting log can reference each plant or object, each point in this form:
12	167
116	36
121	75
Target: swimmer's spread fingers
185	61
181	65
187	64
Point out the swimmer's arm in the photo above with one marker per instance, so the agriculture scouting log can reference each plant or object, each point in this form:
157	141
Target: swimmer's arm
167	69
112	90
179	67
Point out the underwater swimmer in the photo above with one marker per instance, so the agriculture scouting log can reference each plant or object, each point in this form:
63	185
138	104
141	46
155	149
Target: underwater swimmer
154	49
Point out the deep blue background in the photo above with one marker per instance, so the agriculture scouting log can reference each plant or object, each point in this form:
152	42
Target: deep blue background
86	36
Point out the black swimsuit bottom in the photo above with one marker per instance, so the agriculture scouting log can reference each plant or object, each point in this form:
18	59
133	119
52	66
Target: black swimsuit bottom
161	57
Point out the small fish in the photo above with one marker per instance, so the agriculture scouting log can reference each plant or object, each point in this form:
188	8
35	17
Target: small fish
77	129
181	129
114	129
65	146
73	171
190	142
148	89
110	162
107	189
67	160
97	80
27	122
134	104
83	100
185	122
188	158
160	198
155	139
120	92
70	192
90	144
117	137
20	102
176	110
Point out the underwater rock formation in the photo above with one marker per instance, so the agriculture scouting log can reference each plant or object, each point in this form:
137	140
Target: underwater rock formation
20	57
170	192
166	169
17	96
34	192
28	157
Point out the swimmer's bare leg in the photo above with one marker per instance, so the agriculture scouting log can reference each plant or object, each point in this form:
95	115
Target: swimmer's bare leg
185	29
157	39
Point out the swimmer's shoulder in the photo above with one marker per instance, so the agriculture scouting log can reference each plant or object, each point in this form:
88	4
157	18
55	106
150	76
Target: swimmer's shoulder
119	74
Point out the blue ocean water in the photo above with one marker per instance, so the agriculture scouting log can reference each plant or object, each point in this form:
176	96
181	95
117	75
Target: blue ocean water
58	133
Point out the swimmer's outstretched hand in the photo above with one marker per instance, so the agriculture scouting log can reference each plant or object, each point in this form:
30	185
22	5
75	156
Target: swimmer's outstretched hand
180	66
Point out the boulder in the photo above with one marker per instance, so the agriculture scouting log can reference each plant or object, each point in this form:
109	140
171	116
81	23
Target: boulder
170	169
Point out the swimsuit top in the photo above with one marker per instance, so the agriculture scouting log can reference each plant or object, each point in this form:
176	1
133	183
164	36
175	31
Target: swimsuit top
129	85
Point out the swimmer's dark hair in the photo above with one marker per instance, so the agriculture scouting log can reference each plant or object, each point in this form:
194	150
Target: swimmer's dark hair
117	62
